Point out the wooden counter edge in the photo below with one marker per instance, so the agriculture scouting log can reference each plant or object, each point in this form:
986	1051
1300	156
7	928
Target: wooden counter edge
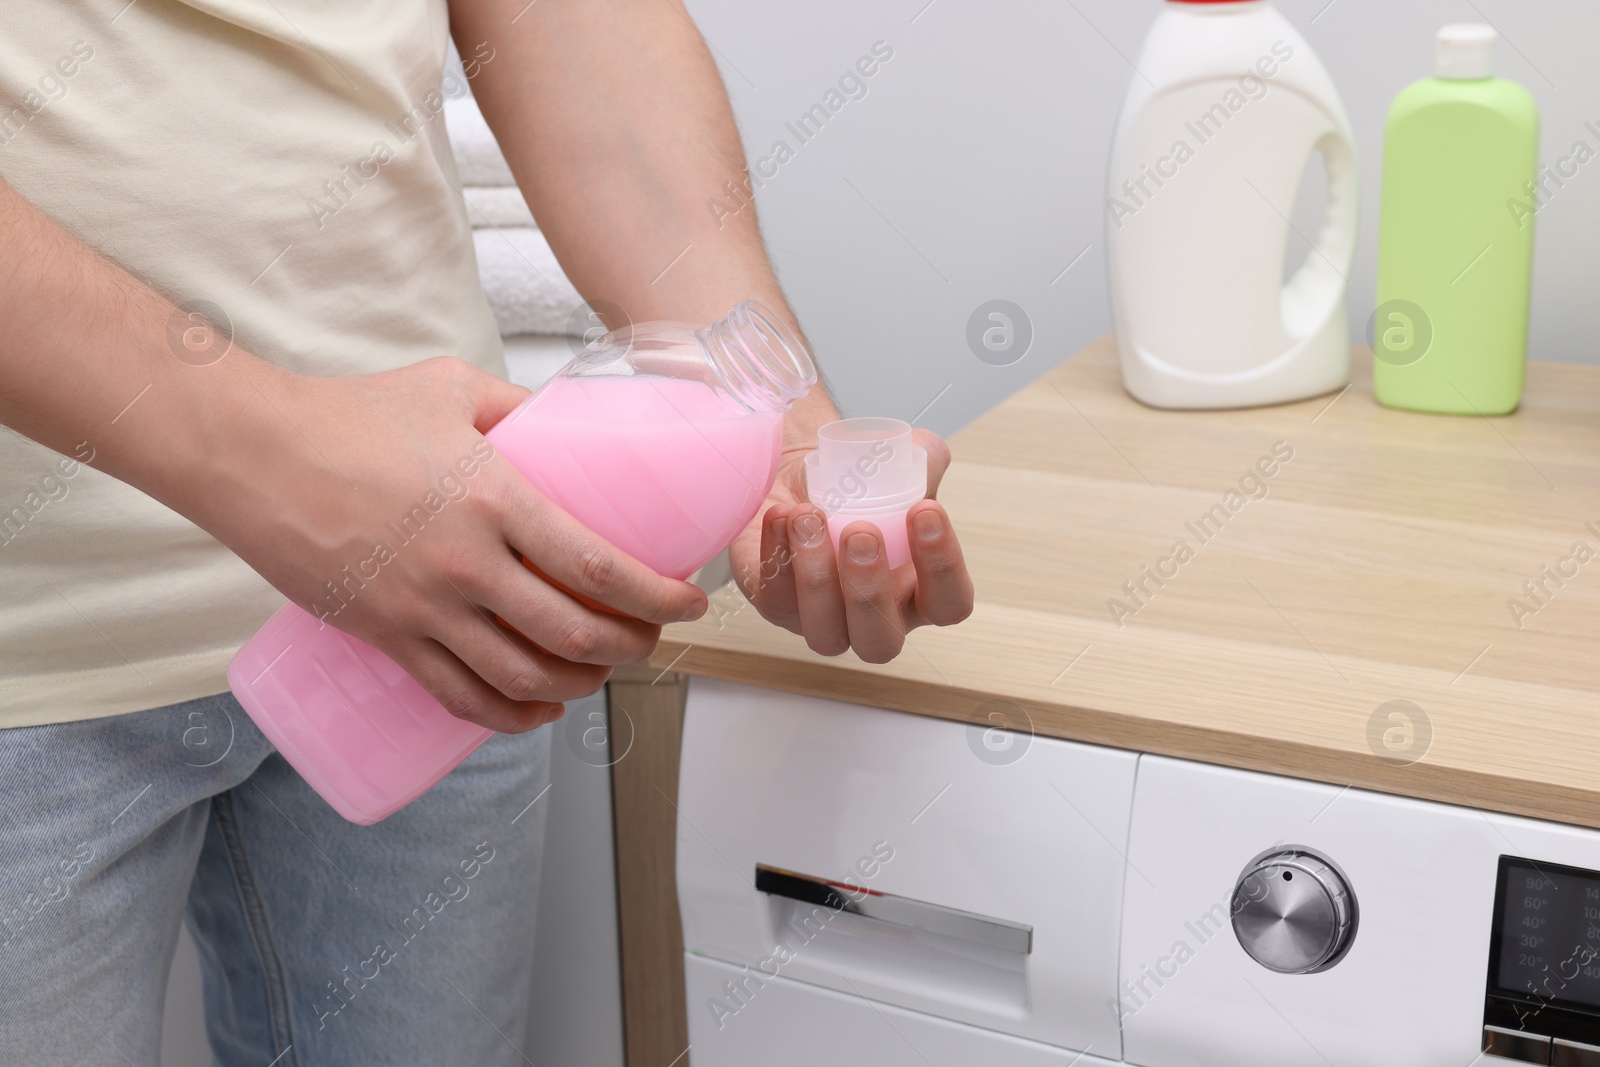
1417	780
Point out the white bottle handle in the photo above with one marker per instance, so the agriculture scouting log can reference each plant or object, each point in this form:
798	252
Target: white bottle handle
1318	287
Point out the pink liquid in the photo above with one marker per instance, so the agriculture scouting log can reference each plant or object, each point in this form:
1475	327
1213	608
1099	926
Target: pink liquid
666	470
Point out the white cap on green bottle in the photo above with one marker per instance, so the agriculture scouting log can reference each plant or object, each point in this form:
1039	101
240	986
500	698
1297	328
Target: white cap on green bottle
1465	50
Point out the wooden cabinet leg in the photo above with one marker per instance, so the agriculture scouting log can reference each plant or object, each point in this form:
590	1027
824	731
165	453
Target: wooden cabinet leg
646	709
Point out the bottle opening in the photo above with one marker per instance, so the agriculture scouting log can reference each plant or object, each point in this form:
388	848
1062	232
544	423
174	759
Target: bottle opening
759	358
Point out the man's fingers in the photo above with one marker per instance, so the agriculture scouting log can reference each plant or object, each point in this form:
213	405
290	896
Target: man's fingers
467	696
558	623
492	398
938	457
943	594
514	666
818	599
877	632
770	583
589	567
486	398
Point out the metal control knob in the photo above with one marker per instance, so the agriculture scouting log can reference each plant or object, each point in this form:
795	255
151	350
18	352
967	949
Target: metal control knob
1294	911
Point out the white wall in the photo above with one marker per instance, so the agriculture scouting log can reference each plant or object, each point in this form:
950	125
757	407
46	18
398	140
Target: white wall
978	161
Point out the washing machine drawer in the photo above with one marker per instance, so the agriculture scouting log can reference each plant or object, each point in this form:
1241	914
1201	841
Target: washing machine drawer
973	874
777	1022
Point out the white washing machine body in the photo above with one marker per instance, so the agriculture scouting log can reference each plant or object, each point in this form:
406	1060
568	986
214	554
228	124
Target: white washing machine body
797	1024
1409	992
859	885
984	849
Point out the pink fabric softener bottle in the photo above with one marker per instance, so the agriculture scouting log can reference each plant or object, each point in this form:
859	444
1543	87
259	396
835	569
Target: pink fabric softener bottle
662	438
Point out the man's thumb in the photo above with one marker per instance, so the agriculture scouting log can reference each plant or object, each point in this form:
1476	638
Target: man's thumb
493	399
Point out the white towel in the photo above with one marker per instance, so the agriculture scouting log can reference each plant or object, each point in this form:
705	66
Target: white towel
527	290
497	205
478	157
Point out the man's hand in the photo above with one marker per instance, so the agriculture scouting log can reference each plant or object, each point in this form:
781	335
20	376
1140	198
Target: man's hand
784	561
384	486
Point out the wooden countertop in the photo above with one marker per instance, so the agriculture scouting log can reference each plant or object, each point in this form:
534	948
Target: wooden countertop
1381	566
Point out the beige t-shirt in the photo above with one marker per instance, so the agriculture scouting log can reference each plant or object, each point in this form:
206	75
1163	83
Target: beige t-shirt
284	161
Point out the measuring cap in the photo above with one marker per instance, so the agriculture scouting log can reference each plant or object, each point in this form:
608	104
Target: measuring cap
866	465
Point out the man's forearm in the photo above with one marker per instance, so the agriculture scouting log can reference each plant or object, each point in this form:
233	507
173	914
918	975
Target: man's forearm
618	129
616	124
88	367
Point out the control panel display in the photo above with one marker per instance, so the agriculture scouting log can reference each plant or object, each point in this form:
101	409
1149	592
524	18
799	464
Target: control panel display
1547	933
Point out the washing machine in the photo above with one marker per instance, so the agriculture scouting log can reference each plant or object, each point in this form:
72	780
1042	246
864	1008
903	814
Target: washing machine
862	885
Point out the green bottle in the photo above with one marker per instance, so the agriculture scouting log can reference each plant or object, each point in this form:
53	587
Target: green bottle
1455	235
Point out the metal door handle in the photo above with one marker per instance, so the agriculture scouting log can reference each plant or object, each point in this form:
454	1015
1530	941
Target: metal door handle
901	911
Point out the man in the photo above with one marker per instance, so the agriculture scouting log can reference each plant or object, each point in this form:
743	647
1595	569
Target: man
219	395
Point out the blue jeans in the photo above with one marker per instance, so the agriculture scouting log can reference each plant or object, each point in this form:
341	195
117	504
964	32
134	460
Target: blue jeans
321	942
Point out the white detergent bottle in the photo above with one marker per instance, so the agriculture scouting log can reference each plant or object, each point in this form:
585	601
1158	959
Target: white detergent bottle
1224	114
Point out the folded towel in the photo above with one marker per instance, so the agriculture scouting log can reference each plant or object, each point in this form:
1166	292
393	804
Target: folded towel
478	158
527	290
497	205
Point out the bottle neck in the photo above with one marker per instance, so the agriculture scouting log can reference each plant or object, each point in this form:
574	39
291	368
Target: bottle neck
758	358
